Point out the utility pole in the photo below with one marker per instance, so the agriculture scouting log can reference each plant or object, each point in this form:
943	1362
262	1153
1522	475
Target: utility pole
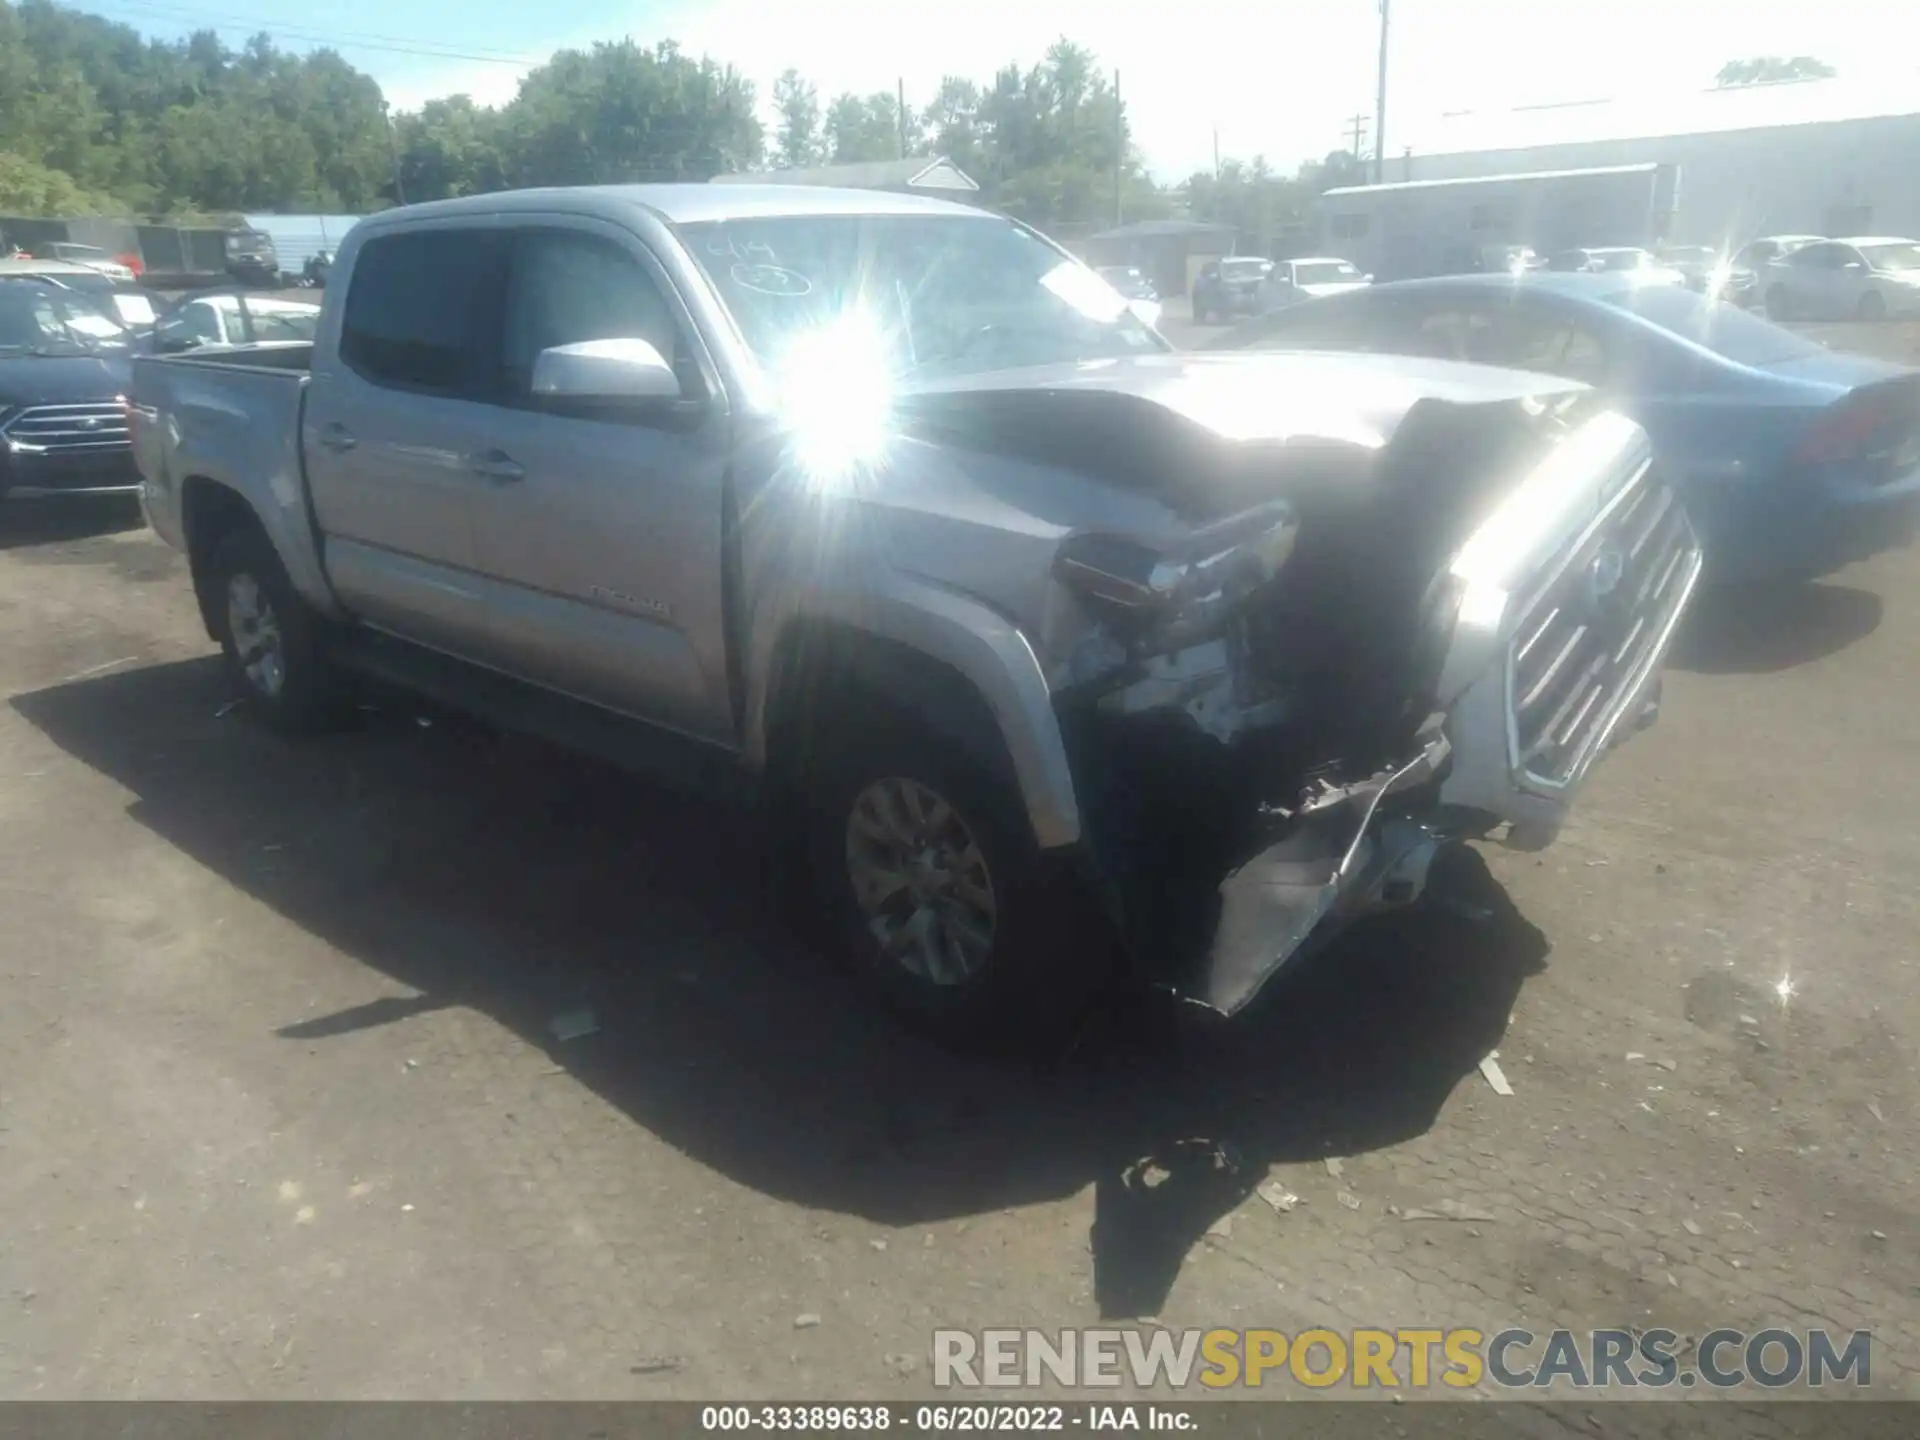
900	109
1119	150
1380	105
1216	152
1356	135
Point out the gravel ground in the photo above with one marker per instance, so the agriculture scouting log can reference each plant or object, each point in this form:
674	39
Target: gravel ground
282	1113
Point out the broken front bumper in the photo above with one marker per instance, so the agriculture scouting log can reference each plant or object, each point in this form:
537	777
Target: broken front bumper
1553	661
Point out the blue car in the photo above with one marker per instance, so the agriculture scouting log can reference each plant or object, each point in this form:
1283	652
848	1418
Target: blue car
1792	459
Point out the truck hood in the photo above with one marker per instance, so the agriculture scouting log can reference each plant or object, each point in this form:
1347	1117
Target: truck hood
1201	437
1267	396
61	379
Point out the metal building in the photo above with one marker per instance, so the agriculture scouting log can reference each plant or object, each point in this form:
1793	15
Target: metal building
1797	157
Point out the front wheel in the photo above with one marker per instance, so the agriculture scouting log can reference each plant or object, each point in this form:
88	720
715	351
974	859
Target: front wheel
271	638
938	894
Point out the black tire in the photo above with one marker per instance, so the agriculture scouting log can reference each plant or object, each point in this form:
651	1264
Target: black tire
1050	952
1872	307
1779	307
304	699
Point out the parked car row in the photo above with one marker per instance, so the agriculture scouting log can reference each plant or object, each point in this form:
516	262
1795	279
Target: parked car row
67	337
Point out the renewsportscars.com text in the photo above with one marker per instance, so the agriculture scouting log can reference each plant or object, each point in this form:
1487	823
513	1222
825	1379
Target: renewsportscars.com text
1410	1358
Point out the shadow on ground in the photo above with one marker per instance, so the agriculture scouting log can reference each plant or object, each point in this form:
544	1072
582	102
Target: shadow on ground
45	522
1758	630
493	873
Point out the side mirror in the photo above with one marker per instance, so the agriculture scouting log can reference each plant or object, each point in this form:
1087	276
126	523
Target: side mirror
604	370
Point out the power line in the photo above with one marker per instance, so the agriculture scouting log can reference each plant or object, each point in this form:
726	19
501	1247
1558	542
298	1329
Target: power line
335	39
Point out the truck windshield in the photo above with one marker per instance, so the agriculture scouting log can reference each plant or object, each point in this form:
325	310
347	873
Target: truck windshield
1724	329
944	295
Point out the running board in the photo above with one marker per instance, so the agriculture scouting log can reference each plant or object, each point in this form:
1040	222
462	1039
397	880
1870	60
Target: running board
658	756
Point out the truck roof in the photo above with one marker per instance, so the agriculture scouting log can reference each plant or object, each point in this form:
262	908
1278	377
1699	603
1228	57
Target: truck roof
681	204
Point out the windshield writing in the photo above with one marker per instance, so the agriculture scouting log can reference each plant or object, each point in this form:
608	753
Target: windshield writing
949	295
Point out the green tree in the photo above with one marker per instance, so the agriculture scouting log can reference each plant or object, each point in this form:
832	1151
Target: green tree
797	138
450	147
860	128
622	112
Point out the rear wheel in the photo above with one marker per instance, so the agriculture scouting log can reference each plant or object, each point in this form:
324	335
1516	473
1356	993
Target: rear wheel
1872	306
936	891
272	640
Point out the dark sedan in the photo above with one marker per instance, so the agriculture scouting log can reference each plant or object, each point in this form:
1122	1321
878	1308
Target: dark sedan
64	372
1792	459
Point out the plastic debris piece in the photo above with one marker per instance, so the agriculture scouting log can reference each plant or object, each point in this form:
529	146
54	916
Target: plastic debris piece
1449	1210
1348	1199
1874	1110
1279	1197
573	1025
1666	1064
1635	1055
1221	1228
1691	1226
1334	1167
1496	1077
806	1322
656	1365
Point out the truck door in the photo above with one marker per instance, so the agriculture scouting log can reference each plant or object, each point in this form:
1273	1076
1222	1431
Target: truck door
395	416
599	533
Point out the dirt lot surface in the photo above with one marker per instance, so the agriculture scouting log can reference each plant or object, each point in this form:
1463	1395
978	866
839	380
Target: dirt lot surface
283	1112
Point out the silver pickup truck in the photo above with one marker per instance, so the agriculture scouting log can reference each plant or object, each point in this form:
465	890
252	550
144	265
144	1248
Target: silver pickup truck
1051	651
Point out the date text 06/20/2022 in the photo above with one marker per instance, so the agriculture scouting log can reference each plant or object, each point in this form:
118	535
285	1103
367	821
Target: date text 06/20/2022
947	1417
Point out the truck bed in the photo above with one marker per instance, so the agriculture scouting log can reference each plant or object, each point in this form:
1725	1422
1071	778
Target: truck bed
230	415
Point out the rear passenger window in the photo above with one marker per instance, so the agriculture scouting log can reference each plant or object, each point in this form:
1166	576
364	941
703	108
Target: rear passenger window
420	309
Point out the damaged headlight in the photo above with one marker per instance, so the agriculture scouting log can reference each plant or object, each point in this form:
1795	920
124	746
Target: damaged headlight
1156	600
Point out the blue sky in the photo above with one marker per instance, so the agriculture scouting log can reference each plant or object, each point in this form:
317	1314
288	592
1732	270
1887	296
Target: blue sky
1274	78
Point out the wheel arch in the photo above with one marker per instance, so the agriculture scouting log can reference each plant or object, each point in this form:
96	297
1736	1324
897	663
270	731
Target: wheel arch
210	510
965	671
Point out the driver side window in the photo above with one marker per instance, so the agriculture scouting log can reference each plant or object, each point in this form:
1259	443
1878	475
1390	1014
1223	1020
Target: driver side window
567	287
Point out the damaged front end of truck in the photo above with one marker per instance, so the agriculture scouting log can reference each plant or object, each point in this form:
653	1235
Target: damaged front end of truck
1356	650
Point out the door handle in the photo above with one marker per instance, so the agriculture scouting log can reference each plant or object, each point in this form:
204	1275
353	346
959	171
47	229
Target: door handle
336	438
497	465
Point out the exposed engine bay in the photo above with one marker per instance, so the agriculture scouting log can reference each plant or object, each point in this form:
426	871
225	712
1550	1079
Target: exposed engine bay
1254	712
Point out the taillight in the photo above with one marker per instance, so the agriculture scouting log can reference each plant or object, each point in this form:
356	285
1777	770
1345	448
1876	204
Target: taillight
1864	424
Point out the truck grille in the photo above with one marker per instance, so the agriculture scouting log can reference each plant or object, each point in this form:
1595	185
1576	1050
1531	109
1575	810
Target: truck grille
69	429
1583	643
